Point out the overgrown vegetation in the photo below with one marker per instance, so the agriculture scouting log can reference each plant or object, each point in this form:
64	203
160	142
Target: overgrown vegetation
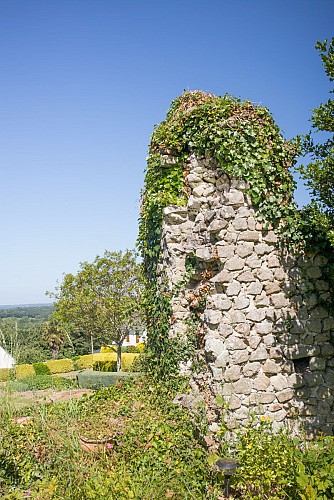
135	443
245	142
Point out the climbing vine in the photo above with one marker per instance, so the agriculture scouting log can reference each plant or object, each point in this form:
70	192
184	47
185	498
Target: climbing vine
245	142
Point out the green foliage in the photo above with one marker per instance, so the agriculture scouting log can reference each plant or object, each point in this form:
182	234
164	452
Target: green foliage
4	374
38	382
88	360
276	465
319	173
41	369
152	451
25	370
105	366
245	142
60	365
102	378
102	299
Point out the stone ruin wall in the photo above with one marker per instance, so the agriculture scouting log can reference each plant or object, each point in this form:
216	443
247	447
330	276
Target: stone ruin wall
267	344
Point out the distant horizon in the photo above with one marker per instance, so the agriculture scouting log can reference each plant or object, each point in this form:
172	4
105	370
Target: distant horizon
8	306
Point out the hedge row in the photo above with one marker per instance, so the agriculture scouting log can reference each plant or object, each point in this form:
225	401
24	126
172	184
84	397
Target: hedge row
66	365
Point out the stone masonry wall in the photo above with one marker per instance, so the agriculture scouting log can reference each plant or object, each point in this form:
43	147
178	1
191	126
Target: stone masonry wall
266	344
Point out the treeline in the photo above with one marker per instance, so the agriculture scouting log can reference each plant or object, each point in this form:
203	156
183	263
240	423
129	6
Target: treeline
22	334
39	312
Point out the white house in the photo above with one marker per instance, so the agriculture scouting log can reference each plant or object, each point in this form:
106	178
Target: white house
6	360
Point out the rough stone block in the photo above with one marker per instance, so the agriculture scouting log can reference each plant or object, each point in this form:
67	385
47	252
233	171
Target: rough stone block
249	236
234	198
300	351
221	303
235	344
233	289
240	224
279	382
285	395
235	264
327	350
317	364
246	277
222	277
273	287
262	249
266	398
265	274
253	262
261	383
254	341
250	369
278	300
256	315
234	403
273	261
232	374
225	251
214	346
255	288
240	357
243	386
264	327
213	317
217	225
241	303
259	354
244	249
271	367
314	272
222	359
237	317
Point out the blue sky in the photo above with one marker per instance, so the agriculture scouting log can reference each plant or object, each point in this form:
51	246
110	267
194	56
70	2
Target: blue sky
83	82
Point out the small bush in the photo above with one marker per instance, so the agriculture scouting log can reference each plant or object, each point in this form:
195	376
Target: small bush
140	347
107	348
41	369
105	366
22	371
127	361
5	374
95	380
60	365
87	360
39	382
131	348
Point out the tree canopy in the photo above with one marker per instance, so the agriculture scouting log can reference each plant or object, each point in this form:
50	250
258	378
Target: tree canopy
319	173
103	299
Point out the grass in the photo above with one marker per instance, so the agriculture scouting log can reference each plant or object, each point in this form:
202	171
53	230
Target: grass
152	451
149	450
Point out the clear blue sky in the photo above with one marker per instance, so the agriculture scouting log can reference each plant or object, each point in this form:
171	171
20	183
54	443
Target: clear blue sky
82	83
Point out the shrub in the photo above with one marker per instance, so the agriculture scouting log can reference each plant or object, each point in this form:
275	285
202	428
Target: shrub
127	361
60	365
87	360
107	348
22	371
38	382
41	369
94	380
5	374
131	348
105	366
140	347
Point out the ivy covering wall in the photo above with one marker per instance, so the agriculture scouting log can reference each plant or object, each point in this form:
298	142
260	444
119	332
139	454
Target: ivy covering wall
245	142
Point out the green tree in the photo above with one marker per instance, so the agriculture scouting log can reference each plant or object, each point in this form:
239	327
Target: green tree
319	173
54	336
103	299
